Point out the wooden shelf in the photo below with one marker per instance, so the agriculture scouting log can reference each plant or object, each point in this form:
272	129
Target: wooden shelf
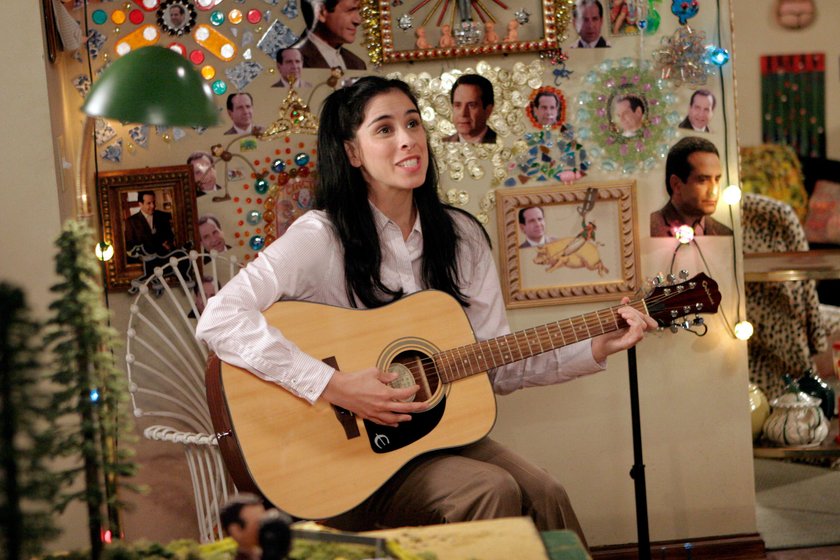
829	448
792	265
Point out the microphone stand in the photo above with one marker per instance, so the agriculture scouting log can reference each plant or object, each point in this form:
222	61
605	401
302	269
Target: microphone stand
637	473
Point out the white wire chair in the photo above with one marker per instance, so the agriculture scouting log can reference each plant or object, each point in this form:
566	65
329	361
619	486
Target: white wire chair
166	365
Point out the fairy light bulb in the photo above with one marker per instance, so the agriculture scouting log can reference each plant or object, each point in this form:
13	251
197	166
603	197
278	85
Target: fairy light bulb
731	194
684	234
743	330
104	251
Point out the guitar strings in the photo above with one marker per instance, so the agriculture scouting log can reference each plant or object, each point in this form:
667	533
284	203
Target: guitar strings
541	332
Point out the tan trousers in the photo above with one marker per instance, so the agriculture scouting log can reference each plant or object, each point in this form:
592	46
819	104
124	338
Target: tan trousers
484	480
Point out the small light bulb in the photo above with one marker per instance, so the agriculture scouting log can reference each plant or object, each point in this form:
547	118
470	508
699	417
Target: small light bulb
732	194
743	330
684	234
104	251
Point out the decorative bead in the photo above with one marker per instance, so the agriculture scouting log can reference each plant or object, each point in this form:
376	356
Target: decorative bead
217	18
278	165
261	186
219	87
257	242
254	217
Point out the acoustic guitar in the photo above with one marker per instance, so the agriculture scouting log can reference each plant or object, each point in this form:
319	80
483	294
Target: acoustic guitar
316	461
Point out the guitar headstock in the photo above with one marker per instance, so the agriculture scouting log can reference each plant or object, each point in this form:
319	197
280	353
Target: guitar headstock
669	304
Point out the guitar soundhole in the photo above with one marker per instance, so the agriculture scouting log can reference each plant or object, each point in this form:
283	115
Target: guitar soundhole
414	367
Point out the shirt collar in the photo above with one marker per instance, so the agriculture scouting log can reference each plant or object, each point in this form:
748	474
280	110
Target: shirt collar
674	219
331	54
382	221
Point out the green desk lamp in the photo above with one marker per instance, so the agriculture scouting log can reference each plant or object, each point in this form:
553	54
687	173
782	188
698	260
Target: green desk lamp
151	85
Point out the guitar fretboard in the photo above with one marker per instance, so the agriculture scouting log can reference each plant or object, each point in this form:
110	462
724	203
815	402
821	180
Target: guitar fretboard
478	357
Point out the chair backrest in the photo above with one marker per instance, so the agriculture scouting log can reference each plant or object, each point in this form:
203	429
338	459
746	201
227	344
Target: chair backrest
164	360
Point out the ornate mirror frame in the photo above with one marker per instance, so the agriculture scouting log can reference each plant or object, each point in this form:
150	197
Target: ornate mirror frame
382	20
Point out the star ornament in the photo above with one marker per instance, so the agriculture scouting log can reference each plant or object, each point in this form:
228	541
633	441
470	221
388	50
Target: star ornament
522	16
405	22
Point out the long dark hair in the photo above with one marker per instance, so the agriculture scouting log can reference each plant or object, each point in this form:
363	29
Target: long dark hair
343	194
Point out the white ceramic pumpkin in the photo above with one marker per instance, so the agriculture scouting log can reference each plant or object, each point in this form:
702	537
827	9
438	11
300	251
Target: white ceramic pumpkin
796	420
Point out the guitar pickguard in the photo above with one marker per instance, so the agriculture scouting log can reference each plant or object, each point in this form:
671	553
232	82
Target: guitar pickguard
384	439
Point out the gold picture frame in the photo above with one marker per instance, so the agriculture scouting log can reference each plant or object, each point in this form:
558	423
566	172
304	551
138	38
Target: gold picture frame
119	204
392	36
589	245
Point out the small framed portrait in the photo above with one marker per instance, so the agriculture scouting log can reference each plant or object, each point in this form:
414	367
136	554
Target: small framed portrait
406	31
547	107
148	215
176	17
568	244
627	113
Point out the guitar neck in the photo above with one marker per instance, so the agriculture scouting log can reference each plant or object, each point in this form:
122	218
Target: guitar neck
463	361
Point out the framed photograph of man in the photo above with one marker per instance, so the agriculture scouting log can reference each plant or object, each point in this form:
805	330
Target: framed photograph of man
568	243
148	215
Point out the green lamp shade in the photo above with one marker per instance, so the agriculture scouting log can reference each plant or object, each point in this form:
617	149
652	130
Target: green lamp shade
152	85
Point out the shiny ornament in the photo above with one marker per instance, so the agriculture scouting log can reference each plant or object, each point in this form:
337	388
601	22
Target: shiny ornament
253	217
302	159
219	87
522	16
256	242
682	58
606	140
278	165
261	185
405	22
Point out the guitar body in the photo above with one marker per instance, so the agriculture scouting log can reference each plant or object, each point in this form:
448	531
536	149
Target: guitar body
318	461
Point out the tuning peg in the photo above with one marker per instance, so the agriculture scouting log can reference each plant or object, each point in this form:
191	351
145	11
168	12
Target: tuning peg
674	327
698	320
686	324
672	279
683	274
657	280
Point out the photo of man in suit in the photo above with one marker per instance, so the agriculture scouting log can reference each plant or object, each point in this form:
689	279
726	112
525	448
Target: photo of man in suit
692	179
589	19
177	16
290	66
150	229
629	114
472	104
240	109
546	108
701	107
211	235
532	226
204	173
330	24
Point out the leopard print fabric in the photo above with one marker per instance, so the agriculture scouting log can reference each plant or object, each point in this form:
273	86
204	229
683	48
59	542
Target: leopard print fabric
788	327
